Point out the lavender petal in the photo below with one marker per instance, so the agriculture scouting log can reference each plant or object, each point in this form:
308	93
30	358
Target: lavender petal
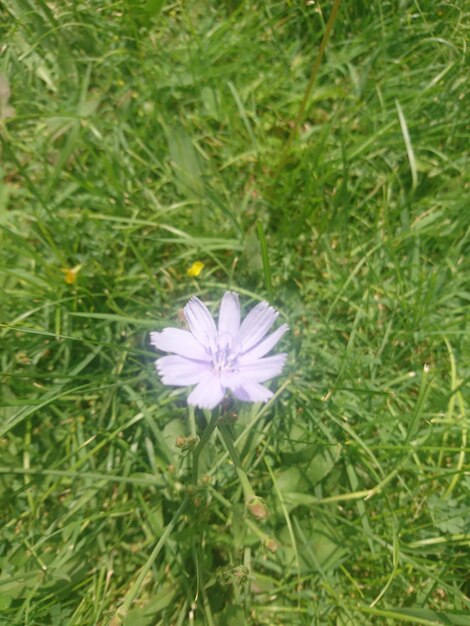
263	369
229	314
256	324
180	371
232	380
208	393
180	342
201	322
252	392
264	346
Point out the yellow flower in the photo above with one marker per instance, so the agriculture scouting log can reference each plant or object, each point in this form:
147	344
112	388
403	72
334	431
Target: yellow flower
195	269
71	273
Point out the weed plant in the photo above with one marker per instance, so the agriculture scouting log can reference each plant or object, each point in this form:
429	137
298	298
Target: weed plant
138	138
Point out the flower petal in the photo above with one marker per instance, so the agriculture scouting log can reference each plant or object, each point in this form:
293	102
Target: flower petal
263	369
180	342
264	346
208	393
256	324
231	380
252	392
200	322
180	371
229	314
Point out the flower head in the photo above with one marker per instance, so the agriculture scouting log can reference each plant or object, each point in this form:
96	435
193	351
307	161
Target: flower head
71	273
195	269
228	356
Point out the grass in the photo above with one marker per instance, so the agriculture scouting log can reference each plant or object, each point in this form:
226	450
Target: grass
148	136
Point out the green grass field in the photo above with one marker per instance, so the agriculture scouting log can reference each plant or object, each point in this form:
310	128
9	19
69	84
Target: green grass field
140	137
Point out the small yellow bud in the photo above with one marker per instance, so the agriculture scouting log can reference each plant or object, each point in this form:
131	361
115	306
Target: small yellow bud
71	273
195	269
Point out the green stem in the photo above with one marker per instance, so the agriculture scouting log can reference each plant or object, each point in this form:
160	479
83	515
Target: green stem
198	449
248	491
192	421
265	259
195	478
134	590
301	112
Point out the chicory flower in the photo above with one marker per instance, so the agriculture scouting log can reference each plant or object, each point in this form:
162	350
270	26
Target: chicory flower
228	356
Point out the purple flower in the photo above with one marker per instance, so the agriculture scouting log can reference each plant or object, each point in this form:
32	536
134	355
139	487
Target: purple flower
227	356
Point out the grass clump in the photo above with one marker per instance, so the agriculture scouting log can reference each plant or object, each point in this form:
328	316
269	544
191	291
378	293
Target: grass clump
139	138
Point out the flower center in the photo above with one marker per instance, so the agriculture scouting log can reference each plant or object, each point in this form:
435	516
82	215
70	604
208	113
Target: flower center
224	357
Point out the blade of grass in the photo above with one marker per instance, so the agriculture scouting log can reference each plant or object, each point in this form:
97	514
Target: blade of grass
265	258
